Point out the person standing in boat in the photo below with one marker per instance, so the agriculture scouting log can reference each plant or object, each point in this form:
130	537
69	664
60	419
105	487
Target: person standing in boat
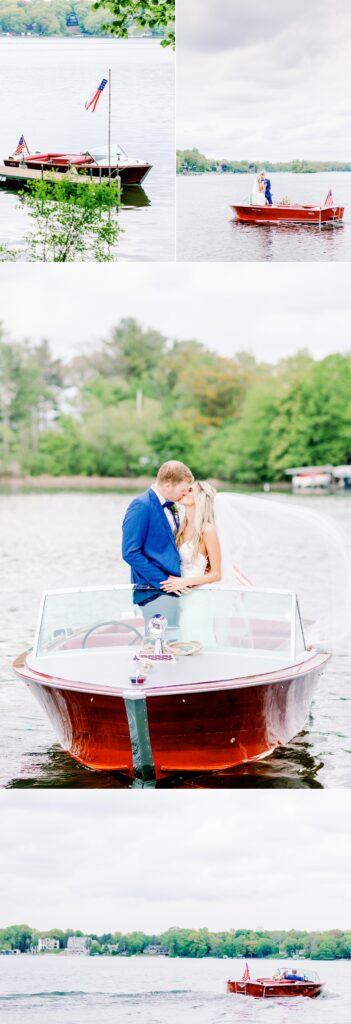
151	523
197	541
267	189
258	197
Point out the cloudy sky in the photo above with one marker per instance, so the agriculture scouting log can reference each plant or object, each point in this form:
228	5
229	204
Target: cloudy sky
105	860
264	81
295	305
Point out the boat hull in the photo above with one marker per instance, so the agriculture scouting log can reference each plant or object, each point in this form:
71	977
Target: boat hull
130	174
267	988
288	214
150	735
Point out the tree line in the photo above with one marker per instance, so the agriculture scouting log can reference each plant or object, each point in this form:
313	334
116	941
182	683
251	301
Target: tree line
138	399
192	161
37	17
186	942
40	17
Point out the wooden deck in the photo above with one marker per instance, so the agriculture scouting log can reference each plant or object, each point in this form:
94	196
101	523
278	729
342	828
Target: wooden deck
18	175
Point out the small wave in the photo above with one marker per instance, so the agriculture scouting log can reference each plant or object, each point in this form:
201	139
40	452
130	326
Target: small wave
76	994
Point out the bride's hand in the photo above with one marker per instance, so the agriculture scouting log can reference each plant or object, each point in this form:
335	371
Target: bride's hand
176	585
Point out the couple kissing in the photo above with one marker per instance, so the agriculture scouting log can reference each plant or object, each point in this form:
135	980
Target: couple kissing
170	539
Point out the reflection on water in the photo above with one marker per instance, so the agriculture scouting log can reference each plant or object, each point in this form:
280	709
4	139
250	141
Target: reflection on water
207	228
73	539
132	197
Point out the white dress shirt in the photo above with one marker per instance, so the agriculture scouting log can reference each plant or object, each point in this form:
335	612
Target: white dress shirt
167	511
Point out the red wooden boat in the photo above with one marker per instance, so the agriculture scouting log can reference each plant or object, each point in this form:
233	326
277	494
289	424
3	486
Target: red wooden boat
94	163
234	681
279	986
282	213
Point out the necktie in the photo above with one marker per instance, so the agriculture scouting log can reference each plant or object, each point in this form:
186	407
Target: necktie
172	509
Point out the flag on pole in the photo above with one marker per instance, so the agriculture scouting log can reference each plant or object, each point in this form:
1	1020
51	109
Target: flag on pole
93	100
246	974
329	200
21	146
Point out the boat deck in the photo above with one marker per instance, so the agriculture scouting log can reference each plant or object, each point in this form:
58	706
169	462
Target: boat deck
113	669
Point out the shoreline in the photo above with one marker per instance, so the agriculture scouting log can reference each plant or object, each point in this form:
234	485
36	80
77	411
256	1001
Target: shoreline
222	173
119	484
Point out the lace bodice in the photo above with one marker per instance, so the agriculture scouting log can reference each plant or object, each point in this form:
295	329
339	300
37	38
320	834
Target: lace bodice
189	566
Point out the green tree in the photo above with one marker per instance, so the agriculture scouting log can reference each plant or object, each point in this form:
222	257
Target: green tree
136	354
174	439
313	422
95	949
158	16
118	438
71	221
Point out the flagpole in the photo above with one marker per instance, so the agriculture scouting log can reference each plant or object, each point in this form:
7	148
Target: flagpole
109	126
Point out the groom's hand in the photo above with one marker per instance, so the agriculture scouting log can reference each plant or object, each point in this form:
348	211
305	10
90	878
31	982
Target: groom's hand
176	585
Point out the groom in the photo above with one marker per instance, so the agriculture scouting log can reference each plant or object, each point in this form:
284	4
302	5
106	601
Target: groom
150	524
267	189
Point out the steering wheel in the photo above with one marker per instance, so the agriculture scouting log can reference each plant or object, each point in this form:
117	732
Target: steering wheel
114	622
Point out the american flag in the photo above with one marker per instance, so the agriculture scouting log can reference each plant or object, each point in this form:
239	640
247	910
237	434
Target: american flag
21	146
246	974
93	100
329	200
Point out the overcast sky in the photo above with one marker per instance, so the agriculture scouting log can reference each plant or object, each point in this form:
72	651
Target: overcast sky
105	860
273	311
264	81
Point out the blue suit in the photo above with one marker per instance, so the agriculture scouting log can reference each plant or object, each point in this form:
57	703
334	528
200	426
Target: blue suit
268	192
148	544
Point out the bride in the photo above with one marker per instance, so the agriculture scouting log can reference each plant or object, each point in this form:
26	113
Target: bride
197	541
258	196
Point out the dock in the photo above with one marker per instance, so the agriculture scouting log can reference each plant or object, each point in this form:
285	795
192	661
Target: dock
22	175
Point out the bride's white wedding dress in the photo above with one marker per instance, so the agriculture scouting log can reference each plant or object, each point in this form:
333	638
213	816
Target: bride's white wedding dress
258	198
190	566
228	532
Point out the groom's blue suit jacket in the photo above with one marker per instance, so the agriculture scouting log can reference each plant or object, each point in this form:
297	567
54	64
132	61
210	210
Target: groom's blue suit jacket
148	544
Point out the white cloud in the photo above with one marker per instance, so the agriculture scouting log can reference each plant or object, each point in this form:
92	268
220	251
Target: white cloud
295	305
264	83
108	860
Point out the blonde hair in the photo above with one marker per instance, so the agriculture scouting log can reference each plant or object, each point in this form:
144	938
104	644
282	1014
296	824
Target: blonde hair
174	472
204	514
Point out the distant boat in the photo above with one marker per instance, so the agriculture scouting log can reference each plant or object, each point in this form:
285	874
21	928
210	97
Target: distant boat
284	213
235	679
310	477
279	986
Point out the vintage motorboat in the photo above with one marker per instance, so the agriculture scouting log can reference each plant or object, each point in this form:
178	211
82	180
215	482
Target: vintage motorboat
94	163
292	213
307	983
224	675
149	684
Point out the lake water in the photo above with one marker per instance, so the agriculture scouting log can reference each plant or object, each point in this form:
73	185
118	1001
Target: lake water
46	83
208	230
55	540
160	990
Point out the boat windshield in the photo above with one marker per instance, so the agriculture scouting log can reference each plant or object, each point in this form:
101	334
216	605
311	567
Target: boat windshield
101	154
302	972
263	623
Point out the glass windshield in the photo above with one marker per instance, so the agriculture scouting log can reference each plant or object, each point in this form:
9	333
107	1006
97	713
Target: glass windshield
101	154
215	619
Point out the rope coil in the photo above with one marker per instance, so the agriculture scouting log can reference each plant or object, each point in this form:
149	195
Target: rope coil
182	648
